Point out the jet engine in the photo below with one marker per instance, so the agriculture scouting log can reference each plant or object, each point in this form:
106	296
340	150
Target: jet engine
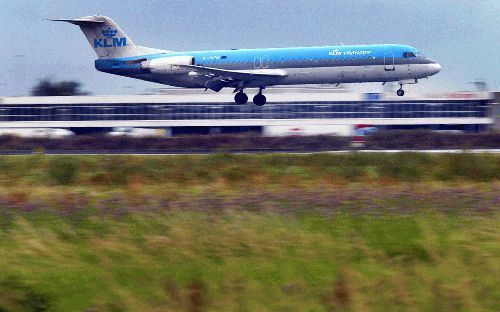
168	65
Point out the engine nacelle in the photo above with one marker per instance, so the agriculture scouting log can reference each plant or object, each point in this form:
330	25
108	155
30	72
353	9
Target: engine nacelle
168	65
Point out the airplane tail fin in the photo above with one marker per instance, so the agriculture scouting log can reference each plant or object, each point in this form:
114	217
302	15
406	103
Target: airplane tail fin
107	38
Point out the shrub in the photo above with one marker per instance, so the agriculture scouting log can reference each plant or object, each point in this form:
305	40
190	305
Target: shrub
470	166
380	233
234	174
118	170
18	296
405	166
63	170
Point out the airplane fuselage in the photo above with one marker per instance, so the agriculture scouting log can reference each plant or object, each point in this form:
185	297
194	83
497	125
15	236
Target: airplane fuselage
316	65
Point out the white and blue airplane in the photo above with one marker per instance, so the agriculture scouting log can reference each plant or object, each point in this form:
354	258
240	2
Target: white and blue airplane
252	68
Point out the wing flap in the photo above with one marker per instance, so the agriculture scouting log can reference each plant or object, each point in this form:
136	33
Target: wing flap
216	84
216	79
237	74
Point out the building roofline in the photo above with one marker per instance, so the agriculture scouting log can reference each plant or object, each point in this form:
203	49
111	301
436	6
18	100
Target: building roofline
286	95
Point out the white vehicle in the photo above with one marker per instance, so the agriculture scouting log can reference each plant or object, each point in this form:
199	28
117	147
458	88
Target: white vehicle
137	132
49	133
307	130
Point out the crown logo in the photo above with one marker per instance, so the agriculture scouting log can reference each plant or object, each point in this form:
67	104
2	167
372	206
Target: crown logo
109	33
335	52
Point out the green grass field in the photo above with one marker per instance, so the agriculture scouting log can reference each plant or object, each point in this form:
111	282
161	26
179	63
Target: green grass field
355	232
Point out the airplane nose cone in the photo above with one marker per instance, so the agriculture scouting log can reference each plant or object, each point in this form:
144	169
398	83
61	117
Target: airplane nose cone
434	68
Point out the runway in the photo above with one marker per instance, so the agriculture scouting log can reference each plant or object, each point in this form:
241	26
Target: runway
242	152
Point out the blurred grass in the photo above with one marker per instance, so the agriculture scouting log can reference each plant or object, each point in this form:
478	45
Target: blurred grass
258	170
322	232
250	262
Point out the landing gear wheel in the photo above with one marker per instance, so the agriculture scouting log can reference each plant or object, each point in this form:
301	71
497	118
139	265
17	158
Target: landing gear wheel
400	92
259	99
241	98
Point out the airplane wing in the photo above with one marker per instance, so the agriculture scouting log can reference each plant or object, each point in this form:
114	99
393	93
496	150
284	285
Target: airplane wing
215	79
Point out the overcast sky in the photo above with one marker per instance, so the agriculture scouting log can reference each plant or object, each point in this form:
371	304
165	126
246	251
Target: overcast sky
464	36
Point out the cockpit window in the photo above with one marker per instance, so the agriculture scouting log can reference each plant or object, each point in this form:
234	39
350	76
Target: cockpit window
409	55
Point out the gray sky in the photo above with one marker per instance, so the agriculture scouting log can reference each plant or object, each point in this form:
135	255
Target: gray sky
463	35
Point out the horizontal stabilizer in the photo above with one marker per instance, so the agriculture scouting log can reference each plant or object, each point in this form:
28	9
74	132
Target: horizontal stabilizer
79	21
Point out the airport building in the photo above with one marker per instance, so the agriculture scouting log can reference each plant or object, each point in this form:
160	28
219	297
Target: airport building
290	111
496	110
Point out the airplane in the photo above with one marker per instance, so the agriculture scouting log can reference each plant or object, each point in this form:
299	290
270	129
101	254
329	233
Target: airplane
252	68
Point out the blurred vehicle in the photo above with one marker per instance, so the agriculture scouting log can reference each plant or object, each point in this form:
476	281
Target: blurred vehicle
449	131
359	133
137	132
49	133
362	130
298	130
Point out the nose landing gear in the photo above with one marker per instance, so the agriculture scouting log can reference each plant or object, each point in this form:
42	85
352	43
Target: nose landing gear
402	82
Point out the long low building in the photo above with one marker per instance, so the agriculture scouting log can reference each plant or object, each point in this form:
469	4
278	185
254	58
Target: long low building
496	110
289	112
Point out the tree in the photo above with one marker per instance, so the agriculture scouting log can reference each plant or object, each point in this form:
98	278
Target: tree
46	87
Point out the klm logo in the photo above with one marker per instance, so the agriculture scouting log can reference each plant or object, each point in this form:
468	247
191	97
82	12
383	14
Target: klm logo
110	40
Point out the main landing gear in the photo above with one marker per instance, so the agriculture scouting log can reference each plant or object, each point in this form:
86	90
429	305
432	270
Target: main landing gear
241	98
400	92
259	99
